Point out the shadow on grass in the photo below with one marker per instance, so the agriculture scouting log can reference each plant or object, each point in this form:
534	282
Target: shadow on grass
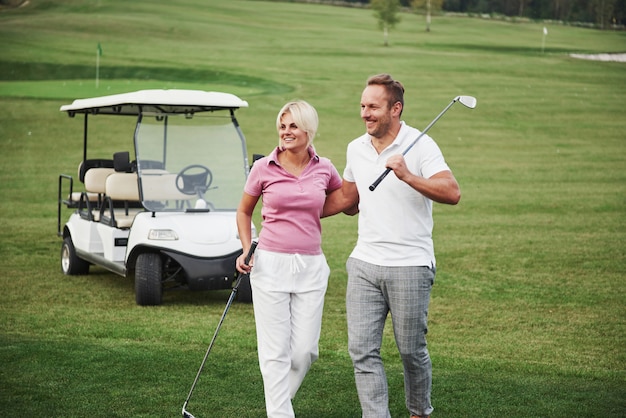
110	285
502	49
105	379
16	71
498	389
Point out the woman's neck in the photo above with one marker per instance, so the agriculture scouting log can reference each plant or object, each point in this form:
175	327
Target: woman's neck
294	162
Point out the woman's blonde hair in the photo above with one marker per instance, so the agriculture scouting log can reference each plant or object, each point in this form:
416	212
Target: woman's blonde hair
304	115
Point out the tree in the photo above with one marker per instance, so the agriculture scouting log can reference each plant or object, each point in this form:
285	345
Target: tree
603	11
428	5
386	11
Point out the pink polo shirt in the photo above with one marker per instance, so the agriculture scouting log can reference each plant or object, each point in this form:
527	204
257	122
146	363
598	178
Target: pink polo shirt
292	206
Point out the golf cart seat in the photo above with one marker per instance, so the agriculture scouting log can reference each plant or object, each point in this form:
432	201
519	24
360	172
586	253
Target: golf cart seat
160	185
95	185
76	196
83	167
95	179
120	187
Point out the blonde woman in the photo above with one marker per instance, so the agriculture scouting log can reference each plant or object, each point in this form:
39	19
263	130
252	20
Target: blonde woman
290	273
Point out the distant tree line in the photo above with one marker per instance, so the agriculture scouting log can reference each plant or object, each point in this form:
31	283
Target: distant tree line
11	3
603	14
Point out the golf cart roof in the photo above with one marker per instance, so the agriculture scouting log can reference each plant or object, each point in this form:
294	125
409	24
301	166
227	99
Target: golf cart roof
156	101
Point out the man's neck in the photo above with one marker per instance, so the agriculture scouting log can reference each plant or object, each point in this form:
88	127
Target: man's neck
383	142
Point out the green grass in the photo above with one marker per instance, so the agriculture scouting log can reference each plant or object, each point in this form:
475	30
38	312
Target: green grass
528	312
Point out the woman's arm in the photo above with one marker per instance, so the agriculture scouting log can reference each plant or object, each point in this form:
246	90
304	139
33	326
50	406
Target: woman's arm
244	227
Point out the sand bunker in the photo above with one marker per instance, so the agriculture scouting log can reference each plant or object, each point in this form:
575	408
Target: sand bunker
601	57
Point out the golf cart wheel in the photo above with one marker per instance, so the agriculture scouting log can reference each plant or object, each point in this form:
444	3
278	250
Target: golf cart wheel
148	274
71	264
244	291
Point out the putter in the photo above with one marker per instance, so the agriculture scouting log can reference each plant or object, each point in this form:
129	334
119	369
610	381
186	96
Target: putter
467	101
219	325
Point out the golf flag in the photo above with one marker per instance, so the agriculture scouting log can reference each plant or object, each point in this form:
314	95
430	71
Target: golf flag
545	32
543	39
100	47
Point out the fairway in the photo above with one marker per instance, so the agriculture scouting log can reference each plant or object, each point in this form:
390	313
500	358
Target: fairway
528	311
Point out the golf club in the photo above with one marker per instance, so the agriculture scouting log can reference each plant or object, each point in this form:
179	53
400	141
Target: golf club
219	325
467	101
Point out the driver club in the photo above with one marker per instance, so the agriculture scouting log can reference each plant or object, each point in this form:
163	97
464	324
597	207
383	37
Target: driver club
219	325
467	101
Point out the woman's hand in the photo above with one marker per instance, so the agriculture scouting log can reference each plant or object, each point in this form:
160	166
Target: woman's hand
241	265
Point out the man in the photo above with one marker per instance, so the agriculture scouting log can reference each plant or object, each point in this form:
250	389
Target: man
392	267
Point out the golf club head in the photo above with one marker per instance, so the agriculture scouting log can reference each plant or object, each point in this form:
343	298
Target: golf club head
467	101
187	414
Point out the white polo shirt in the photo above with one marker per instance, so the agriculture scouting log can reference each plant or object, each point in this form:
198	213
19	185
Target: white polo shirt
395	221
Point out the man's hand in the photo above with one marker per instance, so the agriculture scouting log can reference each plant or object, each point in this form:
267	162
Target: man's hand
398	165
441	187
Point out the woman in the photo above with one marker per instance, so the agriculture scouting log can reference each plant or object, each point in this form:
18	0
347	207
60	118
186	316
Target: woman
290	273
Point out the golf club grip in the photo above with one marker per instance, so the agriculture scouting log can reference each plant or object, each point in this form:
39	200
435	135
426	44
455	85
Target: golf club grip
379	179
250	252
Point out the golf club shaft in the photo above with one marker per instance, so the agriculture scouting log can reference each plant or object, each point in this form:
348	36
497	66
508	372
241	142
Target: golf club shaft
219	325
388	170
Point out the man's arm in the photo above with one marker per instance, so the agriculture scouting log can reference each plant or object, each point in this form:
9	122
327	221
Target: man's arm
345	199
441	187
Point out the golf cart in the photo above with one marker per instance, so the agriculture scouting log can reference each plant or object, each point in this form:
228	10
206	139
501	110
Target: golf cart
166	216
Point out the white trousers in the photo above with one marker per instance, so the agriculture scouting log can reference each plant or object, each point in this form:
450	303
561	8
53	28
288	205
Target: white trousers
288	293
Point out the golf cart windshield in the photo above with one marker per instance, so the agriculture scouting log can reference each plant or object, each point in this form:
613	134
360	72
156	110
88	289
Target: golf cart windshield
190	162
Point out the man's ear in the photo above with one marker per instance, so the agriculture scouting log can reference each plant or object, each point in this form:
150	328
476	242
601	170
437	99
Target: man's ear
397	109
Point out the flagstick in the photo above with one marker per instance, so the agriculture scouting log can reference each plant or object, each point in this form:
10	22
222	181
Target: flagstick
97	68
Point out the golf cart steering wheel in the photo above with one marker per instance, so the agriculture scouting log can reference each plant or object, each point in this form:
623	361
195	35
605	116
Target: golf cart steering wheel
196	179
